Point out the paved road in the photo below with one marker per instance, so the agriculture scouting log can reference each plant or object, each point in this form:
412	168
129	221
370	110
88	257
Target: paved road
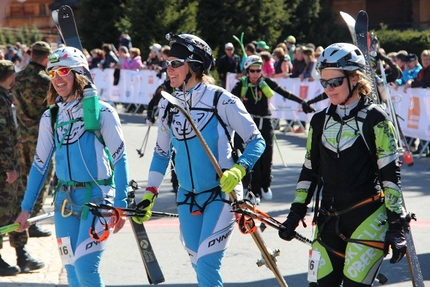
121	264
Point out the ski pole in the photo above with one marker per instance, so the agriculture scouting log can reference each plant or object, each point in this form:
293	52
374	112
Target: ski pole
118	211
14	226
279	150
142	149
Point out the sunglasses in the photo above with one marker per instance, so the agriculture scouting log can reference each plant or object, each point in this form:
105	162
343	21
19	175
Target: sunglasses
175	63
62	72
254	71
332	83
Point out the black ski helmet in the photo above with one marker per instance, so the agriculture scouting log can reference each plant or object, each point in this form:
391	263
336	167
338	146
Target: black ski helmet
198	49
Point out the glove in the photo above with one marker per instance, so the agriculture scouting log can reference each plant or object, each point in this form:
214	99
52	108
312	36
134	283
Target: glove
395	237
149	122
286	229
230	178
307	108
146	204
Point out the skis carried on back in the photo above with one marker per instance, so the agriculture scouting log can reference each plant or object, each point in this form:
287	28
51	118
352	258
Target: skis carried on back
363	43
65	21
362	40
269	258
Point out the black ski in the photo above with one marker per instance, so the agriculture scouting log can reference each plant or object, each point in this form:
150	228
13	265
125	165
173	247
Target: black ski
153	270
362	40
65	22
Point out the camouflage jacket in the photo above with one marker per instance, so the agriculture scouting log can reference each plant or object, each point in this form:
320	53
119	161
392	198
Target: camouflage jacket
29	92
8	139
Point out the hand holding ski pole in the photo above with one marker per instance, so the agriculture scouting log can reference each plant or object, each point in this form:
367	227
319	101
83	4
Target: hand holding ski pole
23	222
231	178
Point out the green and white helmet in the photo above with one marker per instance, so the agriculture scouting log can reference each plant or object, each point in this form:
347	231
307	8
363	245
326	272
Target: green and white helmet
252	60
67	57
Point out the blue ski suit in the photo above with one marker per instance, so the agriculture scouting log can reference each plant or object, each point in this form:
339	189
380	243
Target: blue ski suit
85	167
206	222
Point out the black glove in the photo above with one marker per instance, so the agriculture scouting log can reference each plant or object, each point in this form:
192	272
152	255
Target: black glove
395	237
307	108
286	229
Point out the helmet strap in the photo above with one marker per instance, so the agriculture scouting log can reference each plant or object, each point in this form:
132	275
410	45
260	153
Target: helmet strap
351	91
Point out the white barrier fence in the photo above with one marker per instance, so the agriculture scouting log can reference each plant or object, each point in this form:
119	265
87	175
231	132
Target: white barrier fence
138	87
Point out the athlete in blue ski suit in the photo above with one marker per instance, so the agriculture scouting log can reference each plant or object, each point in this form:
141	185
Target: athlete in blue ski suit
205	216
85	165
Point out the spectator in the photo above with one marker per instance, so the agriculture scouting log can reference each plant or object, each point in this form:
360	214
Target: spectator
125	40
262	46
229	62
109	59
153	60
290	41
10	183
134	62
30	90
401	59
123	55
282	64
250	49
97	56
423	78
268	68
298	63
413	68
309	58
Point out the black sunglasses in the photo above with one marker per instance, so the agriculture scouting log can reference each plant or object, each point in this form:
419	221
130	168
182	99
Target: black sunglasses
332	83
254	71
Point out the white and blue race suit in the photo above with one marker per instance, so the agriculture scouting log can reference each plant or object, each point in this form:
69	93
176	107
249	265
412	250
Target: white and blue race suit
84	167
206	222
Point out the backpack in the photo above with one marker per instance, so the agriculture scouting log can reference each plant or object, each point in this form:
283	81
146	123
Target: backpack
171	110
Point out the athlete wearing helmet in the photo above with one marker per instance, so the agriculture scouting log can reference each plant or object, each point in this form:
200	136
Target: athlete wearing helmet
255	90
84	166
202	198
352	161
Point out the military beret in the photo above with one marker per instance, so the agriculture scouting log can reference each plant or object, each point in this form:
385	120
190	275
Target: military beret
41	46
6	65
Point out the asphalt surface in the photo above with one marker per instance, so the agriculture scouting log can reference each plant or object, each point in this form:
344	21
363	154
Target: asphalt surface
121	264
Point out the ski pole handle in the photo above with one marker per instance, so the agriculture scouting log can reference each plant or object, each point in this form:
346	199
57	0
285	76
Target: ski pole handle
14	226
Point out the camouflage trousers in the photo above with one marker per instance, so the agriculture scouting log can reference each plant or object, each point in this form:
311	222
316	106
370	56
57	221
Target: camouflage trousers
26	155
10	207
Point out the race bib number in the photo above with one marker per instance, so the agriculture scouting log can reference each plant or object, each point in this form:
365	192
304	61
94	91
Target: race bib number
65	250
314	262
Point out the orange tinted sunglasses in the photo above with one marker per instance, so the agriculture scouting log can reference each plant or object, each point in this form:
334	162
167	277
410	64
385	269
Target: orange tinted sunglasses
62	72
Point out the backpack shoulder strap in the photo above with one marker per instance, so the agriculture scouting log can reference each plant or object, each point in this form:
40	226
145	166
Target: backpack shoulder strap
54	114
360	119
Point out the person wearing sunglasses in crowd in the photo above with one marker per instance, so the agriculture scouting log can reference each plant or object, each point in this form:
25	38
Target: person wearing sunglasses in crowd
255	90
89	149
202	199
352	162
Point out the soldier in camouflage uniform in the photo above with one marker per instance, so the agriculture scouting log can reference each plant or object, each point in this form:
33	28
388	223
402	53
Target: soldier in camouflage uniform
30	90
9	177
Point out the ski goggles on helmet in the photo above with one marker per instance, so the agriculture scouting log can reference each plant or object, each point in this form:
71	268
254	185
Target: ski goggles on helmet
332	83
62	72
179	63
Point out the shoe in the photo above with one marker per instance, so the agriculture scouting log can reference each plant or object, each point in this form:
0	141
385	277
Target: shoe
7	270
266	192
254	199
36	230
25	262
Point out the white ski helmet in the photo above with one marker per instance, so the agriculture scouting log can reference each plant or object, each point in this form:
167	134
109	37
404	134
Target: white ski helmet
67	57
253	59
342	56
